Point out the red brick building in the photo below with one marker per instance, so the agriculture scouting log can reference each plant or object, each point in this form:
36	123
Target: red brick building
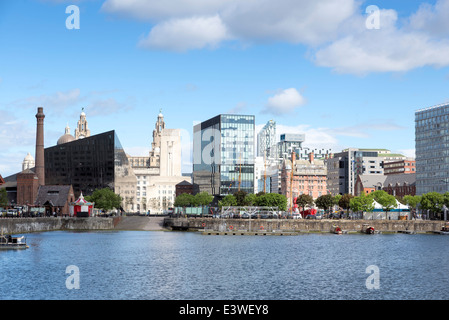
400	167
27	187
184	187
400	184
309	177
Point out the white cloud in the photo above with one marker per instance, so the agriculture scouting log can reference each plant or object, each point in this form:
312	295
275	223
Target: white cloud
186	34
411	153
335	31
283	102
156	11
56	102
293	21
432	19
388	49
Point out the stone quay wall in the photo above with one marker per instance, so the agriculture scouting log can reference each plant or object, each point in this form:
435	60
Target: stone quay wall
28	225
300	225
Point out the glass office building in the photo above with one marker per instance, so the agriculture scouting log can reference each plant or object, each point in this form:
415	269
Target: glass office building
432	149
223	154
95	162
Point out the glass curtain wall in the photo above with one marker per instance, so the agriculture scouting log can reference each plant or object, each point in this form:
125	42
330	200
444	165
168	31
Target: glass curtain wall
237	154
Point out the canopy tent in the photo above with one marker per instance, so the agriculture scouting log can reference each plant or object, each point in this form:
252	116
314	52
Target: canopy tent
377	206
81	207
399	207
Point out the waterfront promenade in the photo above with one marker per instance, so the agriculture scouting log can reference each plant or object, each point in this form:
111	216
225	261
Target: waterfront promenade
154	223
300	225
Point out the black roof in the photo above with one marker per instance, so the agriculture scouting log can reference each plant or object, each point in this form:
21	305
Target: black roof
54	195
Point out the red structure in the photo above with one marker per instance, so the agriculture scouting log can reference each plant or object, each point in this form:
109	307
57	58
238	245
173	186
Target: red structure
309	212
81	207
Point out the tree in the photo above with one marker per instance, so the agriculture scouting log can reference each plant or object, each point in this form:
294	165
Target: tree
362	203
240	197
184	200
251	199
412	202
105	199
272	200
337	198
344	201
325	201
387	201
3	198
304	200
228	200
203	198
432	201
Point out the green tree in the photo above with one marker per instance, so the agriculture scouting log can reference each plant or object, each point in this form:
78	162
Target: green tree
345	200
228	200
325	201
203	198
3	198
184	200
105	199
362	203
304	200
251	199
273	200
412	202
337	198
240	197
432	201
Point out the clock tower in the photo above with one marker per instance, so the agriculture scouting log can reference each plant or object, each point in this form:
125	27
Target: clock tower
82	131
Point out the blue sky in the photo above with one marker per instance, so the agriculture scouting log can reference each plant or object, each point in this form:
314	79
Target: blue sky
312	66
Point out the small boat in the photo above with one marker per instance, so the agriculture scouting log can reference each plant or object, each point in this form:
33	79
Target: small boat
445	228
368	229
10	242
337	230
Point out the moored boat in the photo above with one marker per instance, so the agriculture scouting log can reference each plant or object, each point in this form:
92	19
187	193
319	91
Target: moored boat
337	230
368	229
445	228
10	242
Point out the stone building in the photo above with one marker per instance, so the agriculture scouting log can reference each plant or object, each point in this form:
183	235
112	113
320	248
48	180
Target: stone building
82	130
158	173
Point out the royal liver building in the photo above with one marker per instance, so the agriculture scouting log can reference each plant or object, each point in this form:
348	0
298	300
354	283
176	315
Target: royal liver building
159	172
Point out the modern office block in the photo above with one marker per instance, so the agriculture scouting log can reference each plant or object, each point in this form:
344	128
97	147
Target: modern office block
223	154
266	141
432	149
91	163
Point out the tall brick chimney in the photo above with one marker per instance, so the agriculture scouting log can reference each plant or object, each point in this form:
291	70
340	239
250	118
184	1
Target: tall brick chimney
311	156
40	161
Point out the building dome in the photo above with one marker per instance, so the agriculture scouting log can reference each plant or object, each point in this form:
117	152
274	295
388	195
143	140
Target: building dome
67	137
28	157
28	162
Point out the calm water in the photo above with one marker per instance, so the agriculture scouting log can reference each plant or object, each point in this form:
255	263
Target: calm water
177	265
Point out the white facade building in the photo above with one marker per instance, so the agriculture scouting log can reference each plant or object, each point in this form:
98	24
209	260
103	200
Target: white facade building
160	172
